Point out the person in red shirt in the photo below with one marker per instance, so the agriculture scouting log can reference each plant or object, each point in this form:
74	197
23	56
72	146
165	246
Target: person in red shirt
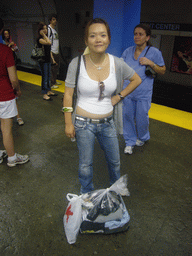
7	40
9	89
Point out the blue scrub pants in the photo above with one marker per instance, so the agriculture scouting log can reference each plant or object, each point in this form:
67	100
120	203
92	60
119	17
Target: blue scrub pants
135	120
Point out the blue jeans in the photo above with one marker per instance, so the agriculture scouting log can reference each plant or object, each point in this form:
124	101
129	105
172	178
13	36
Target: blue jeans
46	77
106	135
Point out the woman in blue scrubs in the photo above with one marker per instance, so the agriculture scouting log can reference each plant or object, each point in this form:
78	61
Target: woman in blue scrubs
137	104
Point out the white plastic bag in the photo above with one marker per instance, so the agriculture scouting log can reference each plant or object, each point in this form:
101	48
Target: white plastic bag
103	211
120	186
73	217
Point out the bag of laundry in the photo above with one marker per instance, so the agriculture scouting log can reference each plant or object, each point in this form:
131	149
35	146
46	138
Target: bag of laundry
99	211
104	211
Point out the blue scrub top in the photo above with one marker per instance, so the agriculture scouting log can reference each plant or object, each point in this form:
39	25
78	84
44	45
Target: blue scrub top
145	89
1	39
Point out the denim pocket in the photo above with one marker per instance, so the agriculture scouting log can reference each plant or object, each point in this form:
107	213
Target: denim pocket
111	123
79	124
110	128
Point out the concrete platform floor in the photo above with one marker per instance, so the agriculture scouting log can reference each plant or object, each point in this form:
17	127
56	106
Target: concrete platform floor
33	196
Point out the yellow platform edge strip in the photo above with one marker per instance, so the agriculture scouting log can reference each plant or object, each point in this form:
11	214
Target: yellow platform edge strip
158	112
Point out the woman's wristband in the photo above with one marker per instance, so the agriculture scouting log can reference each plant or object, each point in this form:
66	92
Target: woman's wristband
121	97
67	109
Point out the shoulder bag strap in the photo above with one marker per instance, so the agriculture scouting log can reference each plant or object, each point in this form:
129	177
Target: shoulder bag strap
76	81
78	69
147	50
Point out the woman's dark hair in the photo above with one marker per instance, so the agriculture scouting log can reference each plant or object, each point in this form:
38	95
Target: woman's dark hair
40	27
147	29
95	21
53	15
3	36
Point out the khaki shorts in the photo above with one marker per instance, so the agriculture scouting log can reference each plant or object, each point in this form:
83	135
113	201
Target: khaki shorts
8	109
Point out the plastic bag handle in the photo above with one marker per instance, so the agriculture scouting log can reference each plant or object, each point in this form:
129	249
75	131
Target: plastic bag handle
70	196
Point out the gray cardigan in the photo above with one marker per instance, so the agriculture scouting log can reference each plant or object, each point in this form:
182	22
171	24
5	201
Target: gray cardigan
123	72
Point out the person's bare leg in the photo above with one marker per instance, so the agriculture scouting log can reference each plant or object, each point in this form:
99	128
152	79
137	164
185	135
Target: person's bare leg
18	116
19	119
6	128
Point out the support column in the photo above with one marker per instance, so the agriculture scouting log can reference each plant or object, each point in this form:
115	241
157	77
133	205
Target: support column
122	16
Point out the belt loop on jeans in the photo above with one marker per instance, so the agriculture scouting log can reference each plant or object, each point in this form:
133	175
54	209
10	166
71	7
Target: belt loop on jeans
94	120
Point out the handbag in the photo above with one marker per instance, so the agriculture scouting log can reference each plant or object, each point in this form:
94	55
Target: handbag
149	71
38	53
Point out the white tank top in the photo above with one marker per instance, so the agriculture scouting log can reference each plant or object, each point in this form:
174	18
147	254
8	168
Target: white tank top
89	90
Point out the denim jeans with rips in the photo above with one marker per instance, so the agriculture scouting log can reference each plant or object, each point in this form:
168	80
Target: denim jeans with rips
106	135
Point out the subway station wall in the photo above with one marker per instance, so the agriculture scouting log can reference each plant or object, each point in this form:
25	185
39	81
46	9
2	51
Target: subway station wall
171	21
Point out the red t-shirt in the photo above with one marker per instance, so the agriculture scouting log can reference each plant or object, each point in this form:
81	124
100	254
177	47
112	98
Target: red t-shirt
6	61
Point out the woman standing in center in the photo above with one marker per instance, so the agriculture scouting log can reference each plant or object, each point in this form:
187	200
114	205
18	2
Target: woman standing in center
45	63
99	89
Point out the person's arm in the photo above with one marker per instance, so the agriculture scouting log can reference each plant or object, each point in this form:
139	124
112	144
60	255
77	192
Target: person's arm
158	69
12	72
45	40
48	32
53	60
135	81
11	44
67	102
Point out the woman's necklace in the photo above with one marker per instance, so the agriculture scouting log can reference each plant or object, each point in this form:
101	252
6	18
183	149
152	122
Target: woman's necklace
97	67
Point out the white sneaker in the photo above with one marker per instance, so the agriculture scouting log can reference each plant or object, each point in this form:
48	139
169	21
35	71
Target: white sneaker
3	154
20	121
139	143
20	159
128	150
54	86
